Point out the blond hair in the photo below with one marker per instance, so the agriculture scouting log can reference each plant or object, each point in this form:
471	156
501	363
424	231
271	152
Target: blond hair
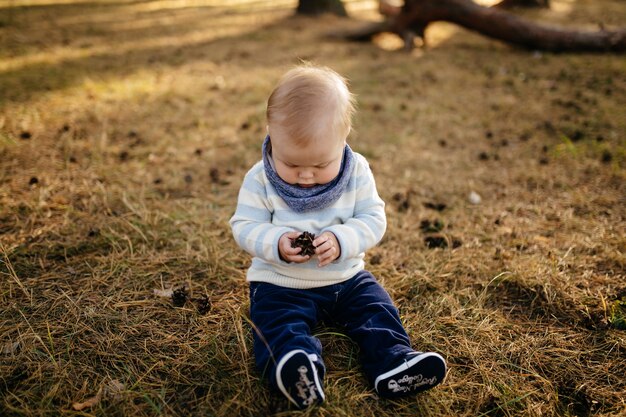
308	100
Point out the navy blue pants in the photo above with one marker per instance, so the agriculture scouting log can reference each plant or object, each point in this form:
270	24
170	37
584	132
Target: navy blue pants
283	320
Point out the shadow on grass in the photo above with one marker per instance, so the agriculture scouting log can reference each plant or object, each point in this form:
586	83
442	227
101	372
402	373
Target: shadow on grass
95	40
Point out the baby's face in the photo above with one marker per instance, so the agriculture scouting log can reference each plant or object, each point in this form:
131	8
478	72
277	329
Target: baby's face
315	163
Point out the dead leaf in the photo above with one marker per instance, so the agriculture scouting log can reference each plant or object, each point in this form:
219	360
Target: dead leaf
164	293
90	402
114	389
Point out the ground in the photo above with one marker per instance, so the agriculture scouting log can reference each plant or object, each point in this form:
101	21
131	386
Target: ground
127	126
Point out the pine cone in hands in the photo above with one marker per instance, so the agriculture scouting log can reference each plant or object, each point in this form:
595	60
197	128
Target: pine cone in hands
304	241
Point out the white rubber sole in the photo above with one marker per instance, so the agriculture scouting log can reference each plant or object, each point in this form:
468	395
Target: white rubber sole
408	364
282	387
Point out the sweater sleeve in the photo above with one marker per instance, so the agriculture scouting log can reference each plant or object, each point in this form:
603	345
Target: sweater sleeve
368	224
252	222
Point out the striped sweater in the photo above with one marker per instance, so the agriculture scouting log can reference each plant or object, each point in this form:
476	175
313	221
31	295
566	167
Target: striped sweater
357	219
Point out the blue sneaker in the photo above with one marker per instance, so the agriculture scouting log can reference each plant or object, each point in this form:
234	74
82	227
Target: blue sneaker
298	380
418	372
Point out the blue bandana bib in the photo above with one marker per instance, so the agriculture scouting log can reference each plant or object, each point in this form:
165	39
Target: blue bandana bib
318	197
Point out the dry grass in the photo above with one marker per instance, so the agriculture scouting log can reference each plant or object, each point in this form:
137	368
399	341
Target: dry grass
127	126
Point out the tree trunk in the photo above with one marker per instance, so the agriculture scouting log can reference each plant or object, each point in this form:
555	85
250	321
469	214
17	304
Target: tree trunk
494	23
316	7
505	4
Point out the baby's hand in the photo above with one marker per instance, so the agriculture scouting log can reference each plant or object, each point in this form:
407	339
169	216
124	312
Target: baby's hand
327	248
287	253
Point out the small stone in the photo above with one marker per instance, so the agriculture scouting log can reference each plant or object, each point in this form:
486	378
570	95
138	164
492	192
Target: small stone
33	181
474	198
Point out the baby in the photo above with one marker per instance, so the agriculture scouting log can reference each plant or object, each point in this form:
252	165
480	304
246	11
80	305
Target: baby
310	180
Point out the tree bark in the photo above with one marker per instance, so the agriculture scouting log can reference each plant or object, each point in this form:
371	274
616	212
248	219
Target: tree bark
416	15
505	4
317	7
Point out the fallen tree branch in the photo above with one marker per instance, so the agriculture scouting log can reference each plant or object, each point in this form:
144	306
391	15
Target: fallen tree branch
505	4
495	23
